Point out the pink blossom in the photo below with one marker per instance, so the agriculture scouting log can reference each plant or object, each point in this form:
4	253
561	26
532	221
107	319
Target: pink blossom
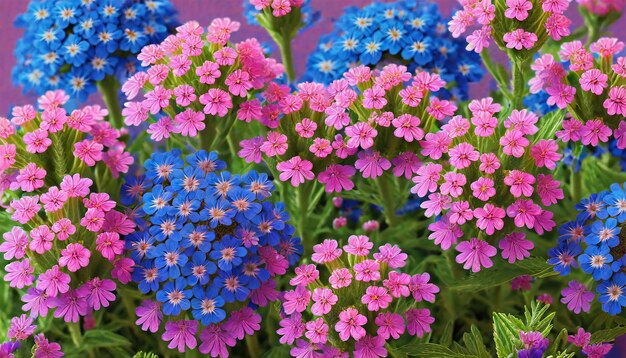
463	155
389	325
483	188
391	255
208	72
515	247
577	297
321	147
324	299
594	131
376	298
239	83
444	232
616	103
14	244
560	95
25	208
305	274
181	334
549	189
398	284
405	164
435	145
64	229
366	271
426	180
521	183
358	245
340	278
327	251
557	26
371	164
475	254
407	127
580	339
276	144
41	239
460	212
421	289
109	244
523	213
21	328
217	102
317	331
74	256
418	321
374	97
99	293
456	127
520	39
435	204
37	302
251	149
37	141
523	121
545	153
489	218
149	316
216	340
19	274
571	130
291	329
296	300
489	163
88	151
518	9
361	134
337	177
296	169
350	324
306	128
513	143
53	281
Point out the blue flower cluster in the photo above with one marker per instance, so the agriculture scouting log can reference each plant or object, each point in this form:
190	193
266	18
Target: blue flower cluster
72	44
409	32
209	238
599	227
309	16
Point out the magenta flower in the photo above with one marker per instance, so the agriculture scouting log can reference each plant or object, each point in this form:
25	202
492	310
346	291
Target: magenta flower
524	213
444	233
99	293
74	256
180	334
336	178
149	316
581	339
305	274
398	284
374	98
71	305
407	127
475	254
483	189
19	274
327	251
370	346
520	39
296	169
53	281
616	102
376	298
324	299
518	9
577	297
418	321
426	180
350	324
15	243
421	289
390	325
37	302
366	271
391	255
545	153
340	278
358	245
291	329
317	331
297	300
21	328
215	341
243	322
360	135
371	164
521	183
515	247
593	132
513	143
489	218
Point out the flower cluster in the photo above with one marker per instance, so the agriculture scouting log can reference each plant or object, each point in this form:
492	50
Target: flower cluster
364	303
74	44
192	75
210	247
20	329
514	25
602	7
598	229
318	135
400	31
496	179
66	241
279	8
592	88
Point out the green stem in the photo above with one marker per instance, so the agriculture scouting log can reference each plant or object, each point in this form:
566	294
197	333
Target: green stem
108	88
252	342
77	337
388	201
303	195
518	85
287	55
577	186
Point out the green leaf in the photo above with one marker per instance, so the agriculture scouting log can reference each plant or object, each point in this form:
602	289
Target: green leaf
428	350
607	335
99	338
474	343
599	175
145	355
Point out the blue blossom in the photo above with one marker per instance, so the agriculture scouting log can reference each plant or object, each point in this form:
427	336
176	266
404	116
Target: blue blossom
616	203
596	261
207	305
400	31
168	259
157	201
258	184
232	285
72	44
563	257
228	252
573	231
199	269
592	207
605	233
174	297
198	237
613	294
148	277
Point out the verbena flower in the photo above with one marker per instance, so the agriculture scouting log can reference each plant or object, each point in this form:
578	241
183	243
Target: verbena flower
209	250
65	246
594	242
495	184
357	303
330	133
594	99
74	44
514	25
192	76
404	32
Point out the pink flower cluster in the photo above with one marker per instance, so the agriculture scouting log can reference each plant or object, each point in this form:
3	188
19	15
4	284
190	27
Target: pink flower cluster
597	100
21	328
602	7
315	135
193	75
495	181
482	15
278	7
366	301
61	225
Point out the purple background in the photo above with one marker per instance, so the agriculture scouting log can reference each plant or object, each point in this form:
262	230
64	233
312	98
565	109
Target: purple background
204	11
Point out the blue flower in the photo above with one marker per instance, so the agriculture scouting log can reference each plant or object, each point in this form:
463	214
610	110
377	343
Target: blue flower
188	181
157	201
198	237
73	44
168	259
613	294
148	277
206	162
139	244
228	252
573	231
419	49
244	203
252	268
592	207
605	233
199	269
175	297
232	285
596	261
258	184
616	203
207	305
166	227
563	257
161	165
220	212
371	49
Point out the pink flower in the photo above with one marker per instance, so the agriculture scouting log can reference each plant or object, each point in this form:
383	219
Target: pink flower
157	99
460	212
217	102
594	81
71	305
23	115
64	229
189	123
358	245
361	134
239	82
518	9
296	169
599	350
74	256
444	232
580	339
54	199
389	325
150	316
369	347
337	178
405	164
276	144
521	183
340	278
182	334
19	274
109	244
441	109
513	143
483	189
296	300
560	95
366	271
208	72
523	213
321	147
557	26
480	38
243	322
376	298
407	127
249	110
37	141
52	120
391	255
324	299
216	340
374	98
53	281
545	153
371	164
435	204
398	284
305	274
616	103
14	244
350	324
21	328
88	151
485	125
463	155
475	254
45	349
577	297
327	251
99	293
523	121
594	131
549	189
489	163
7	156
25	208
435	145
306	128
93	220
37	302
418	321
555	6
571	130
426	180
291	329
520	39
251	149
515	247
317	331
421	289
41	239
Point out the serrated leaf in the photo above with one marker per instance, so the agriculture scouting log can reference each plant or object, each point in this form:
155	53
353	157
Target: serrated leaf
99	338
474	343
428	350
607	335
145	355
